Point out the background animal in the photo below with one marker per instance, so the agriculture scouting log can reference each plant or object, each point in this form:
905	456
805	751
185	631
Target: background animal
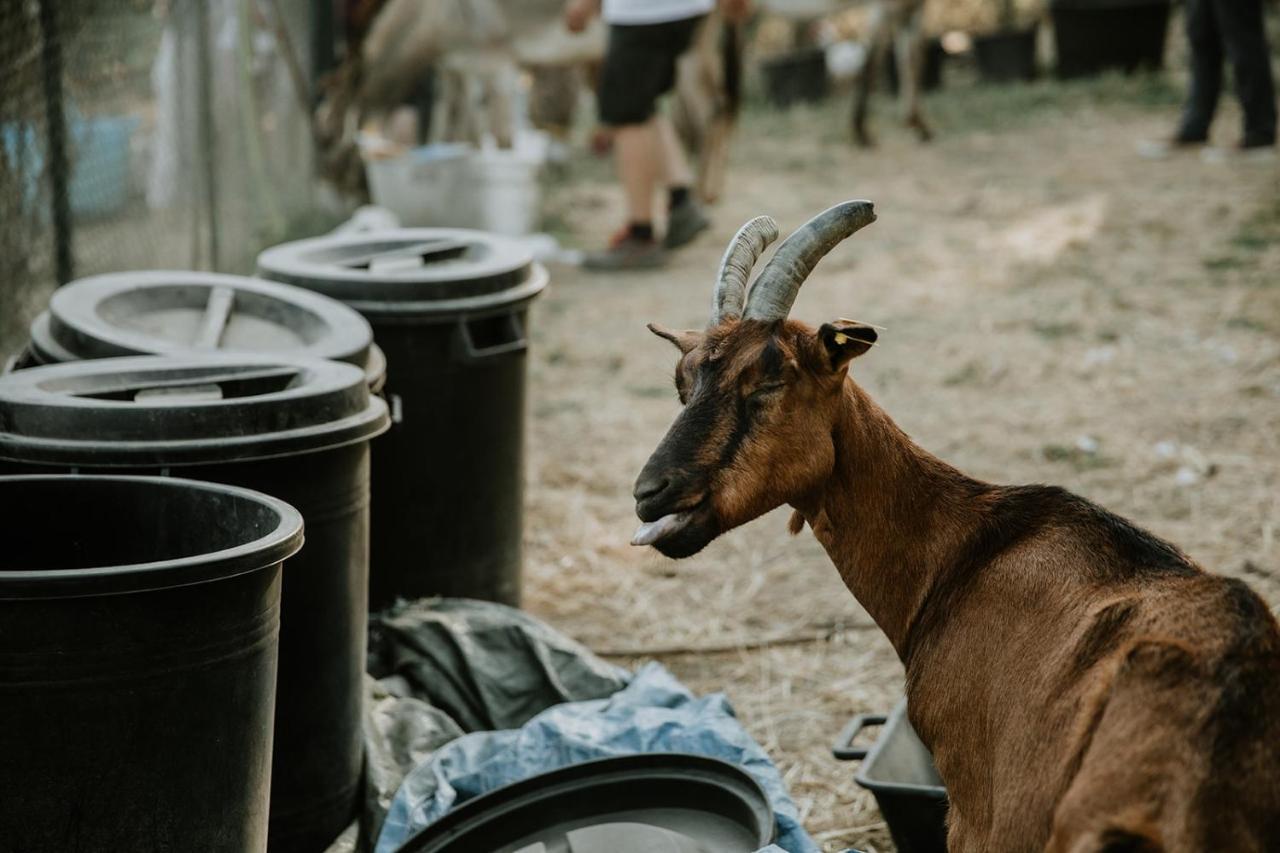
475	49
1083	685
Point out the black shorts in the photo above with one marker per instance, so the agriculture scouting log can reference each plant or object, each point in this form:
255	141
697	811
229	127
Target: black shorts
640	66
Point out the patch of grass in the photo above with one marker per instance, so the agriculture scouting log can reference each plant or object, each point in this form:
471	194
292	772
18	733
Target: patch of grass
1054	331
1075	457
978	106
1222	263
1247	323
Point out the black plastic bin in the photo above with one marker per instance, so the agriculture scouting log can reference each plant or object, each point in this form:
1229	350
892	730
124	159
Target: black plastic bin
1093	36
1006	57
138	627
295	428
450	309
796	77
168	312
899	771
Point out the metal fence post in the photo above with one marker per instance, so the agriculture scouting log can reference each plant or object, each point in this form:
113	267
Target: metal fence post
56	129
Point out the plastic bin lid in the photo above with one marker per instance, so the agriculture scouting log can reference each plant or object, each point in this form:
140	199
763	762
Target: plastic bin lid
410	271
156	312
183	410
647	801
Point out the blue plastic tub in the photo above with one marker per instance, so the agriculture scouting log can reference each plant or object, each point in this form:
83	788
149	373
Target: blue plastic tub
99	156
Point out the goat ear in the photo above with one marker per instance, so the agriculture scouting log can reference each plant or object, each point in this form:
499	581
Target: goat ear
684	341
845	340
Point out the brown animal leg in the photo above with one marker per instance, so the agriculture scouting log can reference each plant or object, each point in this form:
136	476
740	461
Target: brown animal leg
877	49
909	52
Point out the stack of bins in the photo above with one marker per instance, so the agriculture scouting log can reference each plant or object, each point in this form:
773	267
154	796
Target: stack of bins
296	428
138	662
168	312
450	309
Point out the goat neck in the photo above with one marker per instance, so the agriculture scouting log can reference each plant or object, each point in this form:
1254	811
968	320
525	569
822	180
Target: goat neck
891	516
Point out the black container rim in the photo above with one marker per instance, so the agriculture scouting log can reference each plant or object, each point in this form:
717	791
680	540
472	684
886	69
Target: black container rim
265	551
72	328
582	776
341	411
896	718
506	275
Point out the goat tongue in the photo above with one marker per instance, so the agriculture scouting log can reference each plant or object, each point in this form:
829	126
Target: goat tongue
650	532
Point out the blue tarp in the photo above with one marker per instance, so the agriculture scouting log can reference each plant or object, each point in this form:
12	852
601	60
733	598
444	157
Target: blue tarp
654	713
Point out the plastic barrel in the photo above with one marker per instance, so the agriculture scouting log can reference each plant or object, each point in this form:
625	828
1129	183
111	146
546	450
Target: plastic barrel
138	627
297	429
450	309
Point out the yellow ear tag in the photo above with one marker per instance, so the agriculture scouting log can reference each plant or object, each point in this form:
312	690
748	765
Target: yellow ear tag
841	339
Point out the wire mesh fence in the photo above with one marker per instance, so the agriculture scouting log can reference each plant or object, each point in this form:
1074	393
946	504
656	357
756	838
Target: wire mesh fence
149	134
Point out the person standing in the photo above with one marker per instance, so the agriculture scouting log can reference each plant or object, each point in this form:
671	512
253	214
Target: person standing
646	38
1232	30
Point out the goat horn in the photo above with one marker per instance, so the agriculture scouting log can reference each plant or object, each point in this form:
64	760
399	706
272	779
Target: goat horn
744	249
779	282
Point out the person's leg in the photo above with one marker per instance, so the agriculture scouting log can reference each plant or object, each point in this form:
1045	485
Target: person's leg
630	82
638	158
1205	40
1245	38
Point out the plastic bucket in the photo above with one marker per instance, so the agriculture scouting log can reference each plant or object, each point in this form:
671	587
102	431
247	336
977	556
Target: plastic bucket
297	429
138	628
796	77
1007	56
505	191
1093	36
450	309
423	186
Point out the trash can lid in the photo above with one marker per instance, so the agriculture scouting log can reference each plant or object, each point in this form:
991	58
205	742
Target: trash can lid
154	312
418	272
183	410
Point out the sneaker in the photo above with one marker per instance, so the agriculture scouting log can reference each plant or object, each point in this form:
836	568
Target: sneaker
1160	149
626	252
1242	152
684	222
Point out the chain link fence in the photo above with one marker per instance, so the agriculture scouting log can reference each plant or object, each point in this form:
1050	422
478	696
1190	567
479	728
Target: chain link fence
151	134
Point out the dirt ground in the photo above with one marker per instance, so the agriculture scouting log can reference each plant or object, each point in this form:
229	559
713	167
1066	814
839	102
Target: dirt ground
1057	310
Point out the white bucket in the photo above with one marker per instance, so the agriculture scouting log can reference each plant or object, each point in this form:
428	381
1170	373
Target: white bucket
504	189
493	189
424	186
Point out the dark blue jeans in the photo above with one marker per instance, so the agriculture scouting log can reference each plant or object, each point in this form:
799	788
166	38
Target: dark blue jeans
1231	30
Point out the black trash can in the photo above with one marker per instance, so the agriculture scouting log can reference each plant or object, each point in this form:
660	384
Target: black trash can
450	309
796	77
294	428
1008	56
138	627
1093	36
165	312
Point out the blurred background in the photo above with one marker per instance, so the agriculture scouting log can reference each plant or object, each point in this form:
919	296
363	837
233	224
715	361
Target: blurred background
1059	307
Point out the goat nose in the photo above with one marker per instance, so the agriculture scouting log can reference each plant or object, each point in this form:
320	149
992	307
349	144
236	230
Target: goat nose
649	485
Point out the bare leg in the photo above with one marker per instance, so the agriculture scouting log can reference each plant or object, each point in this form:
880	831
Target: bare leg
638	156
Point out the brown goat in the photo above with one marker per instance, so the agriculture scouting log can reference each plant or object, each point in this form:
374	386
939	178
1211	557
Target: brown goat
1083	685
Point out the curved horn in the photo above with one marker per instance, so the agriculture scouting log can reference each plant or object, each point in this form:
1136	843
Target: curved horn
779	282
744	249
